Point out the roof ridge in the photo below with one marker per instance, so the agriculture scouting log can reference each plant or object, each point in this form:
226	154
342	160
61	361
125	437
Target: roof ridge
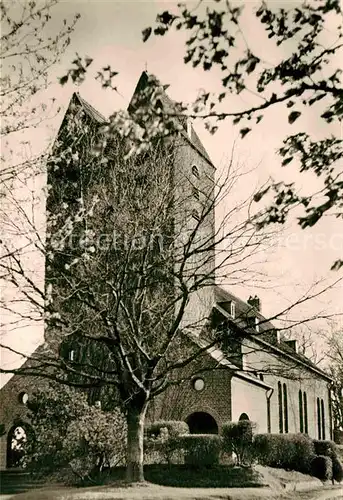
89	109
193	138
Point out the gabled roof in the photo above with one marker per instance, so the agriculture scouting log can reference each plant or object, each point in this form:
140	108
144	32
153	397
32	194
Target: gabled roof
187	130
169	105
267	335
88	108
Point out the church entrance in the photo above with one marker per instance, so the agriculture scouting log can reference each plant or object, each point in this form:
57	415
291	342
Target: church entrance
202	423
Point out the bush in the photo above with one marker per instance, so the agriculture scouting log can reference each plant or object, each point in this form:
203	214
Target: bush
159	446
286	451
321	467
71	434
174	427
337	469
326	448
238	438
329	449
201	450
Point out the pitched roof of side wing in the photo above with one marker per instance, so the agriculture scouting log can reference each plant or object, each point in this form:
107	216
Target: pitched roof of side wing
267	335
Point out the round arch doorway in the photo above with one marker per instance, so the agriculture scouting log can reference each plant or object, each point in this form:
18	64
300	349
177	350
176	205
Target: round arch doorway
201	422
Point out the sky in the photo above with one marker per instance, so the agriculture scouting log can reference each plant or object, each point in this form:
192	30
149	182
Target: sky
110	33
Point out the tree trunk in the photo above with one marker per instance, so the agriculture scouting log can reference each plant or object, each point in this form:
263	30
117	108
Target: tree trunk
135	436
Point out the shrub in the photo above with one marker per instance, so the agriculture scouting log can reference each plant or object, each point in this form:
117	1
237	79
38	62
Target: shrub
337	469
321	467
326	448
201	450
159	445
174	427
238	438
287	451
329	449
71	434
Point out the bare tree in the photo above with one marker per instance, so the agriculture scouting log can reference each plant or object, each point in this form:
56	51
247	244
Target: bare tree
334	356
32	44
130	267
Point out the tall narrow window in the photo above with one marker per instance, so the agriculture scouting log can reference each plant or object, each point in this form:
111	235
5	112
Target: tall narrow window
319	426
285	408
195	214
322	417
196	194
195	171
233	309
301	412
269	426
279	386
305	413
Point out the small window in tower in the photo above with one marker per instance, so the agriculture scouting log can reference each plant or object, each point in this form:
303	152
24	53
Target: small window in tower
195	171
195	214
196	194
159	106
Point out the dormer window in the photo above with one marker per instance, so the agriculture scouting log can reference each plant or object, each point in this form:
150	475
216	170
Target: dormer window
195	171
233	309
253	322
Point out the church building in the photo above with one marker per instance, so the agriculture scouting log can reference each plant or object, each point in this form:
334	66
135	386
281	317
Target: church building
256	375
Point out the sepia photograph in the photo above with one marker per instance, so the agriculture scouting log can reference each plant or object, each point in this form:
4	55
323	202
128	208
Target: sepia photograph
171	263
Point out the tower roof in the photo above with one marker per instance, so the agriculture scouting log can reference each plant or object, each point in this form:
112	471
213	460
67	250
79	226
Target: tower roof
187	129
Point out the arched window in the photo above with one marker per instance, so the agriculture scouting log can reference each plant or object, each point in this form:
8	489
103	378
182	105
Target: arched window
305	413
195	171
319	426
18	440
243	416
301	411
285	408
279	386
323	418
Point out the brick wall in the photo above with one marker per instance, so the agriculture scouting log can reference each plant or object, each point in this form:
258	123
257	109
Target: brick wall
12	409
201	301
179	402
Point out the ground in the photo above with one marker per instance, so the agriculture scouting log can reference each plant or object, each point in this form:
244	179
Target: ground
270	483
154	492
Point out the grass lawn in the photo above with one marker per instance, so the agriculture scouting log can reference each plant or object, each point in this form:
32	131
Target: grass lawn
182	476
215	477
